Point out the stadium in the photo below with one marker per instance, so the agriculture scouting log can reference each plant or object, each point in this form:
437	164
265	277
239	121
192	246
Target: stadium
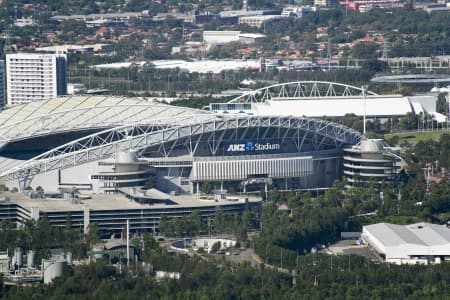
107	159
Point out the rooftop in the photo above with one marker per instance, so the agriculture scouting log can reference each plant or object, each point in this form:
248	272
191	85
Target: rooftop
113	202
337	106
422	234
67	48
78	112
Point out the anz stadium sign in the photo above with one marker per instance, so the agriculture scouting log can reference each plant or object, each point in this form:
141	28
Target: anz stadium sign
251	146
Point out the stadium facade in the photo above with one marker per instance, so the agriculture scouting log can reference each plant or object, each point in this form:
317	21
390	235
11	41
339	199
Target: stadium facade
102	144
108	159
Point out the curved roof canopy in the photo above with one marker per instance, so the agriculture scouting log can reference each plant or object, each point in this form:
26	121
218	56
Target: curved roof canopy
83	112
298	90
317	99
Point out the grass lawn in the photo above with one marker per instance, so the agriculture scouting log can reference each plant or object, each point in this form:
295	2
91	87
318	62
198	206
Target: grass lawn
415	137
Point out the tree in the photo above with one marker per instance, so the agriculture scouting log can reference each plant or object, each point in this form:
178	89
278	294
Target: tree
442	105
164	225
149	184
93	235
193	223
207	188
150	244
367	50
216	246
375	65
136	243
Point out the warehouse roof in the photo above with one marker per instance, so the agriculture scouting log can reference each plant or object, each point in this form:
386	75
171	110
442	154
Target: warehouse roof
423	234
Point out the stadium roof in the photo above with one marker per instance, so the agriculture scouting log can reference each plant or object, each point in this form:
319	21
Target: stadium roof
332	99
413	78
84	112
374	106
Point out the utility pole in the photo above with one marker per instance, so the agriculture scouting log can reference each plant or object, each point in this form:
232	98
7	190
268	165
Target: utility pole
7	48
245	5
267	245
282	258
329	53
385	49
128	243
168	83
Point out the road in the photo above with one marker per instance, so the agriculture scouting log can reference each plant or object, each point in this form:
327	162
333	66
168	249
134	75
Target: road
244	255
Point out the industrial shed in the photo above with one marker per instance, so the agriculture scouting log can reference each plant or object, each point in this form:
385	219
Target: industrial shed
423	243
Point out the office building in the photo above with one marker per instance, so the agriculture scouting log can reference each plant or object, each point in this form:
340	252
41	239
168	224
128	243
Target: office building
324	3
258	21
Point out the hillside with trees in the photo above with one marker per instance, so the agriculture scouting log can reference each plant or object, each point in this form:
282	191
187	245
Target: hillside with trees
316	277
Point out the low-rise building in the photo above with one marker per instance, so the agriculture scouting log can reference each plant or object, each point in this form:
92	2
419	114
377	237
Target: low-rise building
257	21
250	38
24	22
223	37
75	88
96	20
220	37
110	212
298	11
324	3
422	243
65	49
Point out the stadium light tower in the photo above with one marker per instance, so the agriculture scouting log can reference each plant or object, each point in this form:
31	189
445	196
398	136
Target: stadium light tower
447	98
363	88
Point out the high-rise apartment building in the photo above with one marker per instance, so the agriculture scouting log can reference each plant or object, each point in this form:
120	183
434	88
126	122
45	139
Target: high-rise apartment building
2	84
32	76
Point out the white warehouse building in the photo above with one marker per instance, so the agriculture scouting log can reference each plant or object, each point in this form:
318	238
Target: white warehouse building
409	244
223	37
